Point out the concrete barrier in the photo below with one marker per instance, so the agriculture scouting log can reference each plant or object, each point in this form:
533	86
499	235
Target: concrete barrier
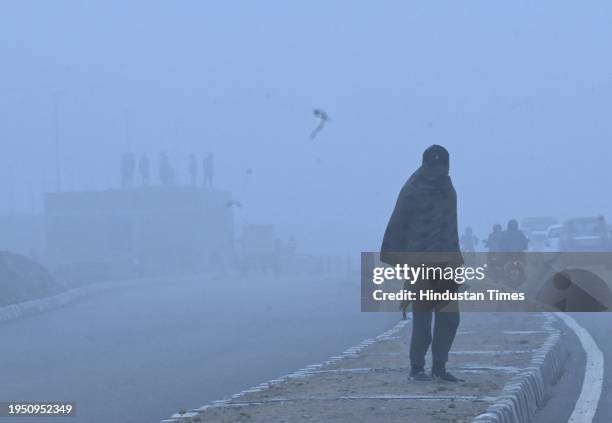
40	305
527	391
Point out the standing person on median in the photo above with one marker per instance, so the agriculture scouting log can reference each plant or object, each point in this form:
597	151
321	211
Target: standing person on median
425	220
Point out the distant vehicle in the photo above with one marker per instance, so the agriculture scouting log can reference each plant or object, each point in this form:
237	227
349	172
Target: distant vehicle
553	242
538	241
584	234
533	224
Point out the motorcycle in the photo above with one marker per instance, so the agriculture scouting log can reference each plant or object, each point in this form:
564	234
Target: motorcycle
514	272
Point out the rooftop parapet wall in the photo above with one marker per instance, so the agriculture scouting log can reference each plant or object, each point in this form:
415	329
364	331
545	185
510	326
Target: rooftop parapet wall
173	226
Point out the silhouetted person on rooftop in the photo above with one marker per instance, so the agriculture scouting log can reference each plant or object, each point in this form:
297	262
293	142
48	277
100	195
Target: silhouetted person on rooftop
425	220
144	168
208	170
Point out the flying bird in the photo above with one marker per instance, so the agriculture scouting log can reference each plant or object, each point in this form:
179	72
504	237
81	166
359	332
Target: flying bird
323	119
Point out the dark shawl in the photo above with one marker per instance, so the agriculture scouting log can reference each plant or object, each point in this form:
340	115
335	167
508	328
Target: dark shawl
425	216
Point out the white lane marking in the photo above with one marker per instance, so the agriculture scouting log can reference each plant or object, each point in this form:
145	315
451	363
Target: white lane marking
466	368
469	352
587	403
492	352
473	398
507	332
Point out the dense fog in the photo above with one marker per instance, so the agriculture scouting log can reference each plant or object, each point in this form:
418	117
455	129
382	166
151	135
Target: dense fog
277	136
518	93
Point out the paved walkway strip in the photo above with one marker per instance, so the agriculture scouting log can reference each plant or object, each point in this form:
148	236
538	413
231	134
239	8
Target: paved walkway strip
502	357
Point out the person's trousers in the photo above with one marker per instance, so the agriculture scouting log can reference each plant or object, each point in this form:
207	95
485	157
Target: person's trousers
445	328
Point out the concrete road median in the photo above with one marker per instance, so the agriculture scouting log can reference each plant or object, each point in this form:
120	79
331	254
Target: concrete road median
508	361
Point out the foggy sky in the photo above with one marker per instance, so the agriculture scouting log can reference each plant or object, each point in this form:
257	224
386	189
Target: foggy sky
520	94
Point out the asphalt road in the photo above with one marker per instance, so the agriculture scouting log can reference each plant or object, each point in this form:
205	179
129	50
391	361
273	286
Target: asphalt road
140	352
565	394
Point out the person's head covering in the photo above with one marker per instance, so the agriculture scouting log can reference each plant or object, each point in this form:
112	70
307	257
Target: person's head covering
436	155
432	175
435	162
512	225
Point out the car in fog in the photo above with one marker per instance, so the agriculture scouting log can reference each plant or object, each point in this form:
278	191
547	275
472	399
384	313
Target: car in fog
538	241
536	224
536	229
585	234
553	238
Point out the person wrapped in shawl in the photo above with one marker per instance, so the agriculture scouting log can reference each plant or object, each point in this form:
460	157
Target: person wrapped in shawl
425	221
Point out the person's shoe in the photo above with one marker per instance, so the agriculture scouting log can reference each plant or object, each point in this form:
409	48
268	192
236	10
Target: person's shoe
420	375
445	376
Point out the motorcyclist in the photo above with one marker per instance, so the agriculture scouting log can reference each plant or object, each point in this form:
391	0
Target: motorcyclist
513	240
468	240
493	244
513	244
